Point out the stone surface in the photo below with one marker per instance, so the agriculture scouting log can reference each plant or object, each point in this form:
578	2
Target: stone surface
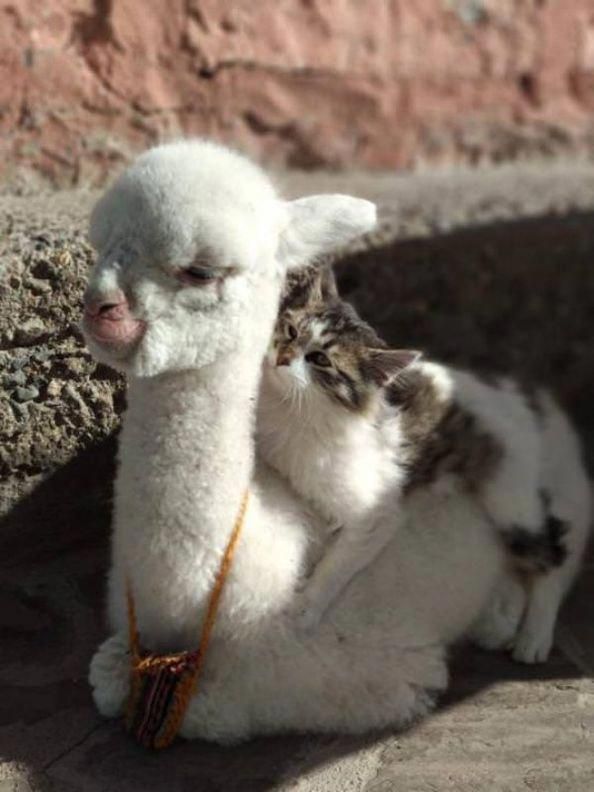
54	400
490	268
304	83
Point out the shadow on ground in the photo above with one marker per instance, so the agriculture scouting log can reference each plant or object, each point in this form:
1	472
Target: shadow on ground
512	297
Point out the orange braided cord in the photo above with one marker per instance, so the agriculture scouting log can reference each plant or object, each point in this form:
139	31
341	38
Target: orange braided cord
213	603
162	685
133	640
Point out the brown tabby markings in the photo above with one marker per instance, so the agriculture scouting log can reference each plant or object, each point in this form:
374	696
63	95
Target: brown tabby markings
443	438
440	436
308	287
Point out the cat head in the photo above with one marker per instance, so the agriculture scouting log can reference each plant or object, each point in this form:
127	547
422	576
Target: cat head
323	351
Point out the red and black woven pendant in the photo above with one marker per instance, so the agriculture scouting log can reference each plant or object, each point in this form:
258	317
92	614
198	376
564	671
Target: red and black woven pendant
161	688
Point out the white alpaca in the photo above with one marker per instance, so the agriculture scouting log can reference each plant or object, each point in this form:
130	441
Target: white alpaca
193	246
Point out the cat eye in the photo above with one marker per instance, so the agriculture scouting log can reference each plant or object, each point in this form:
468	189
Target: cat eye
318	359
291	332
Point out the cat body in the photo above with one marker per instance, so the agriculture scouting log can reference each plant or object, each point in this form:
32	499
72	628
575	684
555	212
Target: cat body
346	463
357	428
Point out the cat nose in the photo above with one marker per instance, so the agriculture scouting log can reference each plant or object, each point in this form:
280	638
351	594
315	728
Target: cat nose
284	358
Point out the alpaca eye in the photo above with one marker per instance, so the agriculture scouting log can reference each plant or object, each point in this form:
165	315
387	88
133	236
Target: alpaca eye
200	274
291	332
318	359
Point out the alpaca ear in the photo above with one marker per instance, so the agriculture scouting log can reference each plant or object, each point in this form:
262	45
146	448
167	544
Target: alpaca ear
385	364
320	223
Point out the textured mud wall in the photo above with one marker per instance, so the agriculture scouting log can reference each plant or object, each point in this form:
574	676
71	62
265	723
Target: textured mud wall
371	83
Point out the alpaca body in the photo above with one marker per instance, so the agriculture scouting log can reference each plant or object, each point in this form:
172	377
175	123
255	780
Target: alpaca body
193	246
375	661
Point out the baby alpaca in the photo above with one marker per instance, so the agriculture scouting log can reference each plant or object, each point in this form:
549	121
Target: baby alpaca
356	427
193	247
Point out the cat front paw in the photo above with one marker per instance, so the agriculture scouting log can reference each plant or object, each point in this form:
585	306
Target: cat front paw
533	644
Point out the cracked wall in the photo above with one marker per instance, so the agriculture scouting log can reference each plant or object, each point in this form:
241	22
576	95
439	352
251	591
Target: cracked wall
305	83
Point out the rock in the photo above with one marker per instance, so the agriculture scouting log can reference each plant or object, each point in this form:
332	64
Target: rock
77	365
22	413
39	286
30	332
18	361
54	388
72	393
26	394
16	378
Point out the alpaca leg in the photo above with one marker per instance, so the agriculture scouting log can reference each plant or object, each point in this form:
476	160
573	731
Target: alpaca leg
498	624
213	715
292	691
109	676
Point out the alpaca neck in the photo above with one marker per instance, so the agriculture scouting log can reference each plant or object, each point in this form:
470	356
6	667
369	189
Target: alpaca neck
186	454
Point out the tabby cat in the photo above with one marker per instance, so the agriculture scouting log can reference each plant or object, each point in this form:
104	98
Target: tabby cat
357	427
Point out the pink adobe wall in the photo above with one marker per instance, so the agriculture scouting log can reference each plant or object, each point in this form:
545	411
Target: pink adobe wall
364	83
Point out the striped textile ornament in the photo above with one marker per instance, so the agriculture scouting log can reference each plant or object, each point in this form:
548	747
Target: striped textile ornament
161	686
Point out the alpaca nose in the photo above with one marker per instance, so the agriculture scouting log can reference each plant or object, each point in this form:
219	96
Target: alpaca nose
113	305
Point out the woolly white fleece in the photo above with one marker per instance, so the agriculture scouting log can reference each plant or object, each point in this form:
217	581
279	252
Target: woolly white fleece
186	456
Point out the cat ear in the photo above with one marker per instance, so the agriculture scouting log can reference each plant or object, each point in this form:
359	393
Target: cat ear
328	287
322	284
385	364
309	287
320	223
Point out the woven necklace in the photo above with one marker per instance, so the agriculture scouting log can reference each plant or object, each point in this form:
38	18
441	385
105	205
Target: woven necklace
161	686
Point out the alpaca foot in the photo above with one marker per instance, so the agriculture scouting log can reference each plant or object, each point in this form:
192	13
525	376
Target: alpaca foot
109	676
215	716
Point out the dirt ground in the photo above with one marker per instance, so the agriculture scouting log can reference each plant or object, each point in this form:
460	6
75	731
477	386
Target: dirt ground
489	269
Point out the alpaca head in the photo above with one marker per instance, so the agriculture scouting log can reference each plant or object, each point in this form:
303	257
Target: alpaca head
193	245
